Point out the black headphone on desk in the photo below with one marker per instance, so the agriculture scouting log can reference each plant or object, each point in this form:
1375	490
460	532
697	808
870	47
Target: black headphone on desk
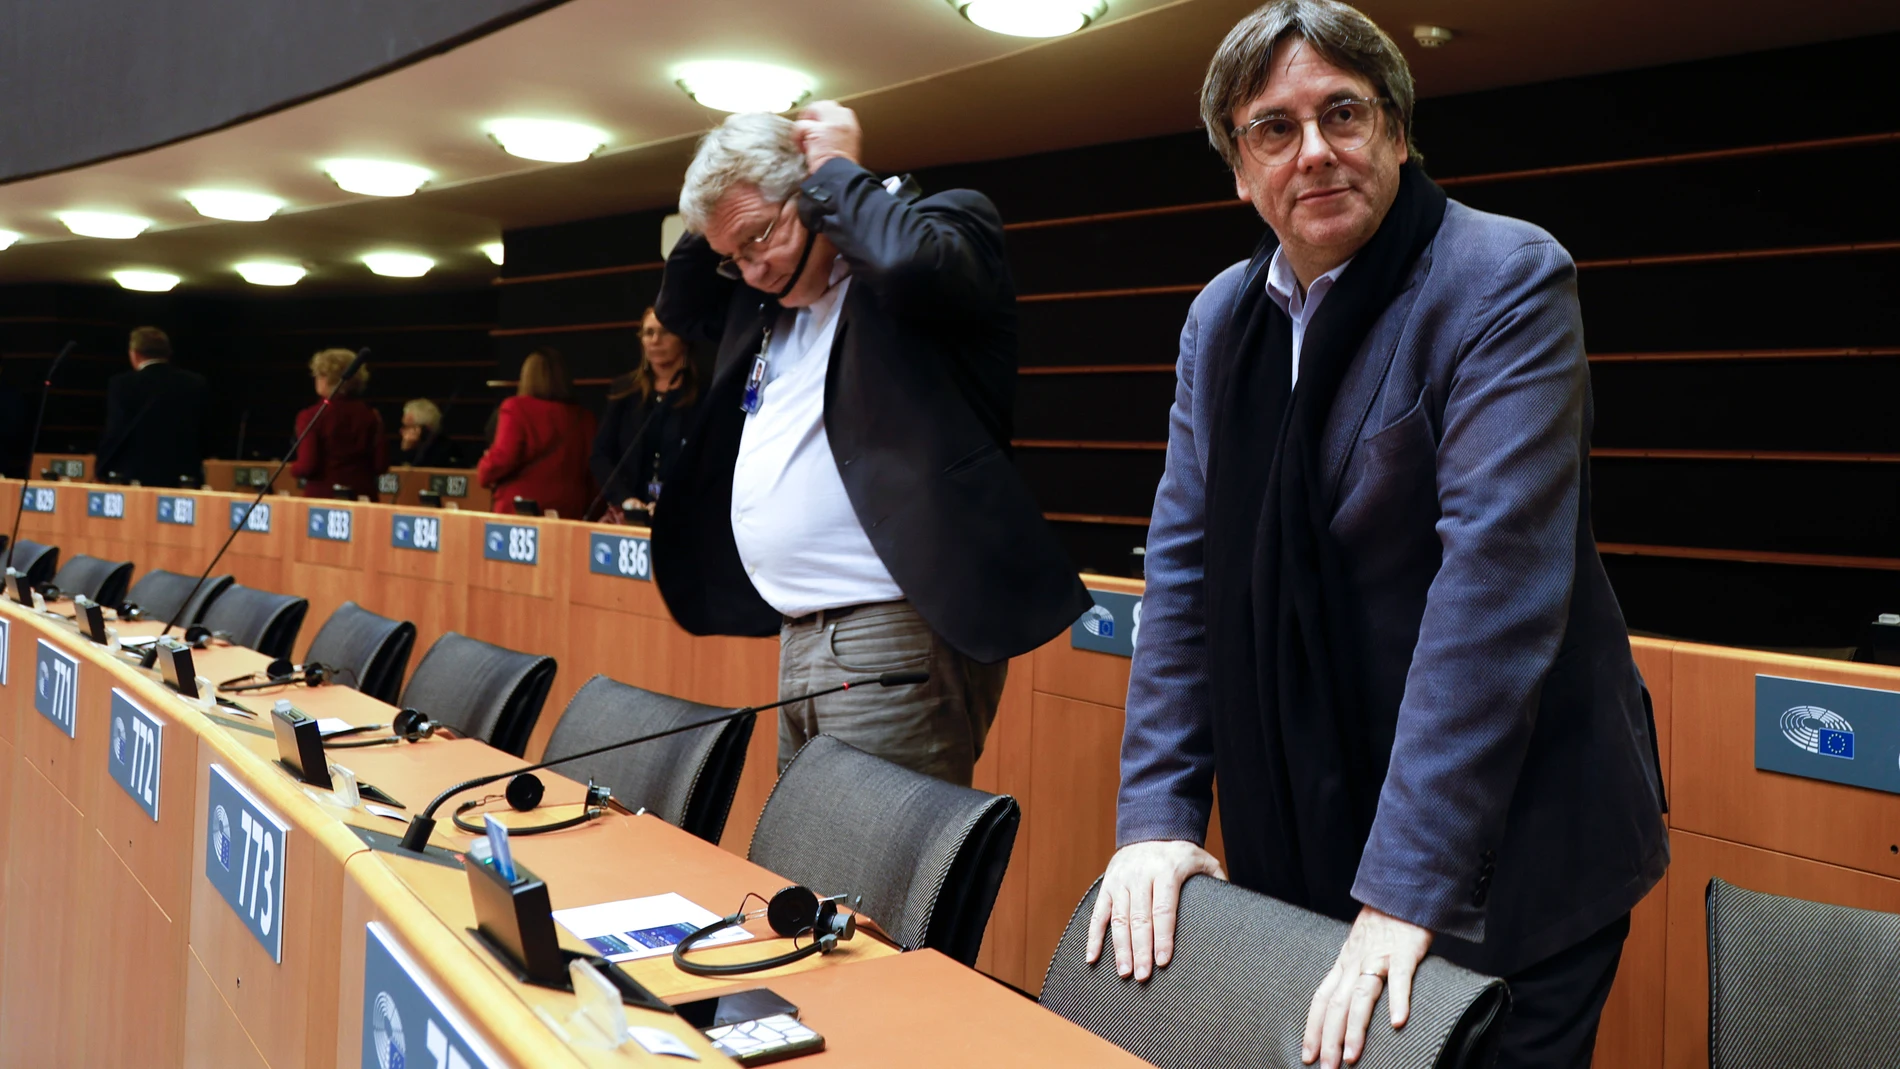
524	793
794	911
281	673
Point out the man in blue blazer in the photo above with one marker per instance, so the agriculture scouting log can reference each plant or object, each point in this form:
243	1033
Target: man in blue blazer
1375	609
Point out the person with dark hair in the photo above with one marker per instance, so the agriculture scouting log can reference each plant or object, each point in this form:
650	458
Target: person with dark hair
1375	612
649	404
154	418
542	441
346	451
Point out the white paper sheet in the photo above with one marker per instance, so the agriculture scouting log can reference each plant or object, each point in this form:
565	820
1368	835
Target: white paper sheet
643	927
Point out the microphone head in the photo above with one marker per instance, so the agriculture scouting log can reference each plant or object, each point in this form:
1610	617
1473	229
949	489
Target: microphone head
903	679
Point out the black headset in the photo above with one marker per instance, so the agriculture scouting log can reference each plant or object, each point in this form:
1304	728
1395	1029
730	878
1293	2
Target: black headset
524	793
793	912
281	673
199	637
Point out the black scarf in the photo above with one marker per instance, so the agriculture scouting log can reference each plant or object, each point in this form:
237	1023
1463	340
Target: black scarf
1299	758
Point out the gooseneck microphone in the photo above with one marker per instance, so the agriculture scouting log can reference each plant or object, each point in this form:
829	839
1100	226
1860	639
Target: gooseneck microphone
638	437
46	390
422	825
150	656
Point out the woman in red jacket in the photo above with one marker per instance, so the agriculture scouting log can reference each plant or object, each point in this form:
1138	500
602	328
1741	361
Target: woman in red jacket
347	448
542	443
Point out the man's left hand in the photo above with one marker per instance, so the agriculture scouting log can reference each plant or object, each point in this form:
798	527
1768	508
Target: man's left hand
827	130
1381	949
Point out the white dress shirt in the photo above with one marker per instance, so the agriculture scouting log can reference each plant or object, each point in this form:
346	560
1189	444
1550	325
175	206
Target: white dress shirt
797	535
1284	287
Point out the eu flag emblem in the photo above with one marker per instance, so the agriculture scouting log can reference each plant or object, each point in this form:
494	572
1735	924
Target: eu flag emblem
1837	744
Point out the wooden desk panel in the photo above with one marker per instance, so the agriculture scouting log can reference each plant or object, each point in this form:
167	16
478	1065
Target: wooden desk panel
43	462
1630	1034
545	579
157	853
1718	792
413	481
214	1038
1075	772
43	1022
130	973
1697	859
66	762
963	1020
256	558
639	597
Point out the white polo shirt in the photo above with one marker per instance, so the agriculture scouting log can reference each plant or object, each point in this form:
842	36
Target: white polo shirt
797	535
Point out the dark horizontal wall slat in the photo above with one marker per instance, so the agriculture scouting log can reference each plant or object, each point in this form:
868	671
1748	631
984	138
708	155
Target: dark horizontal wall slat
1744	304
1845	509
1124	407
1820	405
1094	482
1121	330
609	241
1145	251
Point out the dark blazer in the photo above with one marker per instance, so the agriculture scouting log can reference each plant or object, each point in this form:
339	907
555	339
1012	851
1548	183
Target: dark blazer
346	449
1521	810
540	453
919	397
154	426
661	438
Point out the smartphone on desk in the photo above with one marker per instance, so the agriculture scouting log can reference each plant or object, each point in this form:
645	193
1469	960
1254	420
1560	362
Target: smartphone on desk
752	1027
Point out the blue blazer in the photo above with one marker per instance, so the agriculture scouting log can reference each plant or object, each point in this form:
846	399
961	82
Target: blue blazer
1522	808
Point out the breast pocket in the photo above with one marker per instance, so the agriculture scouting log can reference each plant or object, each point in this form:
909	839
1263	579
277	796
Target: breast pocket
1391	475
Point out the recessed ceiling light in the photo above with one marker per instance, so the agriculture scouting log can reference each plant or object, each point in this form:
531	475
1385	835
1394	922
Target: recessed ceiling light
8	237
232	205
266	273
493	251
377	178
547	140
145	281
735	85
398	264
104	224
1031	18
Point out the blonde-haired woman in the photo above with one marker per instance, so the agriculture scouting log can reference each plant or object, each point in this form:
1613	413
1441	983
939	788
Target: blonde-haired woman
346	451
542	439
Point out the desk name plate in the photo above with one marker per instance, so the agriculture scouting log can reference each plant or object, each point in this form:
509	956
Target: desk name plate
6	647
514	543
260	516
402	1008
423	533
1828	731
105	504
449	485
330	525
244	858
68	469
389	483
182	511
40	499
1111	626
56	688
625	556
134	758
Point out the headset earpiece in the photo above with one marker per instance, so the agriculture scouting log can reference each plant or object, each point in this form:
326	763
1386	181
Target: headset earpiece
279	670
792	911
525	792
197	636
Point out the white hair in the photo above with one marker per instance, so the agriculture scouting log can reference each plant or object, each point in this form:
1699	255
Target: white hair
752	148
423	412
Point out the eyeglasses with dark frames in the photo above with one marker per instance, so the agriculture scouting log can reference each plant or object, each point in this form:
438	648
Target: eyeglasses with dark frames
733	266
1346	124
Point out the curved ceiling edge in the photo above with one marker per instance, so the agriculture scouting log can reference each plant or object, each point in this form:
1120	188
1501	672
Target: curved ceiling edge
89	81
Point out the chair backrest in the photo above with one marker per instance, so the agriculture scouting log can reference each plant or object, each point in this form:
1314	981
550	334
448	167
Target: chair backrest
926	856
35	561
1800	983
1236	991
481	690
371	652
159	593
687	779
104	581
258	619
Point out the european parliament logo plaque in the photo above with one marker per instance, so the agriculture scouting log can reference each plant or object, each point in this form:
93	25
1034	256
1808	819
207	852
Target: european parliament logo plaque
259	517
179	511
40	499
105	504
134	757
620	555
6	646
56	688
244	858
1828	731
514	543
1110	625
406	1020
421	533
330	525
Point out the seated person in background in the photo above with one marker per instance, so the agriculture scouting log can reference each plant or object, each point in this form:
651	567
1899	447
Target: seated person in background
542	439
645	421
153	418
422	443
347	447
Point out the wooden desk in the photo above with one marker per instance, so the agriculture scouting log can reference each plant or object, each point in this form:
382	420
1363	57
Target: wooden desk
55	462
412	482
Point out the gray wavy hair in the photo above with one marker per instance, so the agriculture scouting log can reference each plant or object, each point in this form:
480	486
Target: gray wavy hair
1340	33
751	148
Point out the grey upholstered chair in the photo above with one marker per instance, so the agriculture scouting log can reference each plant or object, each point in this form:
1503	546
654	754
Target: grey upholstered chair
257	619
369	652
1797	983
35	561
482	690
158	594
104	581
687	779
1236	991
926	856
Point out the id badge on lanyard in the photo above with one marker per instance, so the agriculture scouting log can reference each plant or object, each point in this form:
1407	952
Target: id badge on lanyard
755	379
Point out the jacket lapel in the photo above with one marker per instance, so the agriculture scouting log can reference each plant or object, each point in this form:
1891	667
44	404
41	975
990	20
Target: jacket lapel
1365	379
